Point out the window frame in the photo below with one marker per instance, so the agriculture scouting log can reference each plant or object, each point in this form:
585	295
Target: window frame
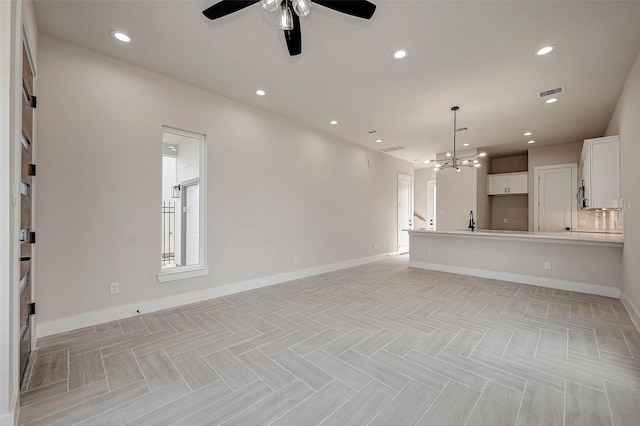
201	269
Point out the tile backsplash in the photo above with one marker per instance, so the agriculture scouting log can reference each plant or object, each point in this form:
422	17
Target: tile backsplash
609	221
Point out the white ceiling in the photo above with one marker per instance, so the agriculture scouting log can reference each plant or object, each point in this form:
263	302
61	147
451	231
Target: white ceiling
478	55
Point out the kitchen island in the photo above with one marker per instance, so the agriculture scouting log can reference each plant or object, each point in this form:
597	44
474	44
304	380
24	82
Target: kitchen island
573	261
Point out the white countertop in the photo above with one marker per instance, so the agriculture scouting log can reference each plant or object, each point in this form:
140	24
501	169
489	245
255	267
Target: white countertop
566	236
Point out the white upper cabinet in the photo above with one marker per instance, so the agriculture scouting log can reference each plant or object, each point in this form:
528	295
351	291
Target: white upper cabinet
508	183
600	171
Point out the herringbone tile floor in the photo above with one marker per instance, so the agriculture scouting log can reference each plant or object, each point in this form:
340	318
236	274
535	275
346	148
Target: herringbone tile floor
379	344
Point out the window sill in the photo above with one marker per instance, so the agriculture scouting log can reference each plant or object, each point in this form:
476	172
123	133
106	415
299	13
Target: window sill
182	273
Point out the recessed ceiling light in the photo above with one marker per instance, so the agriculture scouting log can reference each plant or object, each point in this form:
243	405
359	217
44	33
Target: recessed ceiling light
545	50
121	36
465	144
427	161
173	148
260	92
531	142
528	133
400	54
378	140
333	122
552	100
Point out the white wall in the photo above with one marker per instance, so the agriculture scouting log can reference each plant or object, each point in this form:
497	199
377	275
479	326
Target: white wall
455	198
482	212
15	17
625	123
276	189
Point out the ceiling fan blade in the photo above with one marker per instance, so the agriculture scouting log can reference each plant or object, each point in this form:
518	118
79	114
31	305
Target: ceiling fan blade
360	8
226	7
294	37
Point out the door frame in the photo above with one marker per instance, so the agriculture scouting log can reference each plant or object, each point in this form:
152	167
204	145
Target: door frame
402	178
536	187
183	219
431	206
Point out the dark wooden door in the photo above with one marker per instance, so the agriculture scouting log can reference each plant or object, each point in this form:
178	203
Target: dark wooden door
27	235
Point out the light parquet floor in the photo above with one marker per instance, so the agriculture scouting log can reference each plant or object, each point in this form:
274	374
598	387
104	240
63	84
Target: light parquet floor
379	344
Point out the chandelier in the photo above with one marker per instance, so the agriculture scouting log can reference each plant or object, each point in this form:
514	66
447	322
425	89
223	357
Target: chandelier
452	160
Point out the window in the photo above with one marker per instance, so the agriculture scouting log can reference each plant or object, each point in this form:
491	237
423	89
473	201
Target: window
183	205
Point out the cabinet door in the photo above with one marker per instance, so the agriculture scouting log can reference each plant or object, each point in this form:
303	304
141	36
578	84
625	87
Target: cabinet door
517	184
586	178
497	185
605	180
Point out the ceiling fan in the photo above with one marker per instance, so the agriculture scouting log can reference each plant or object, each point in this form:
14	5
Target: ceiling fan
289	12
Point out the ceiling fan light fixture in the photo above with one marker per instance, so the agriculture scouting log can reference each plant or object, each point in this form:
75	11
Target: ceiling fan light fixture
270	5
302	7
285	20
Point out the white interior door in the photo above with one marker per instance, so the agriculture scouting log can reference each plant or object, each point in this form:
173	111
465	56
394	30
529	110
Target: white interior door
405	211
554	198
431	204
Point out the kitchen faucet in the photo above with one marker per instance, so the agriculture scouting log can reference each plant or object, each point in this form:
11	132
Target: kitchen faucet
472	224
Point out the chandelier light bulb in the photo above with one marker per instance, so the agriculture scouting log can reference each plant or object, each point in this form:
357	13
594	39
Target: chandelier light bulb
269	5
448	155
465	162
302	7
458	169
285	20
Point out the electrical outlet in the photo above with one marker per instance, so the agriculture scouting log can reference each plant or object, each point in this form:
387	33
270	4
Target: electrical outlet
506	220
295	259
114	288
429	253
375	247
547	266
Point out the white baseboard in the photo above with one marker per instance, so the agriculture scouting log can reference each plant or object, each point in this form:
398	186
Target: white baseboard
632	309
522	279
10	418
74	322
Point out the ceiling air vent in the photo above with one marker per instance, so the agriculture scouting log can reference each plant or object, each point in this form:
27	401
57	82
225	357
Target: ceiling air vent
393	148
550	92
